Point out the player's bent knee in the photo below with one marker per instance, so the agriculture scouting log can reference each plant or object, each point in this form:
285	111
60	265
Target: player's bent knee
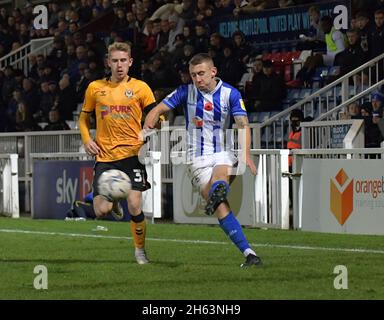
101	206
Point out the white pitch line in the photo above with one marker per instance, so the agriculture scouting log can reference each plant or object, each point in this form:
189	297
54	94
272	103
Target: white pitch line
297	247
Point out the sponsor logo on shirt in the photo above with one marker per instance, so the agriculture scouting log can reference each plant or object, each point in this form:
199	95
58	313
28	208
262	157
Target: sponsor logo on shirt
116	111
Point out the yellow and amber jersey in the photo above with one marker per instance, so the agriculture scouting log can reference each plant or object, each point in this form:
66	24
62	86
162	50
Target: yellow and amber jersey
119	109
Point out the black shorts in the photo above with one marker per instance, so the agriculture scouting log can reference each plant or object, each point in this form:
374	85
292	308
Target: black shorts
131	166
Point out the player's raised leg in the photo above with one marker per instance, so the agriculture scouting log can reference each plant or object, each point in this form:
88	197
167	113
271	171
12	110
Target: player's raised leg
215	192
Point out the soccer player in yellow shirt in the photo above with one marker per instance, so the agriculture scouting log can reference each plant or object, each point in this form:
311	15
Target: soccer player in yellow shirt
118	102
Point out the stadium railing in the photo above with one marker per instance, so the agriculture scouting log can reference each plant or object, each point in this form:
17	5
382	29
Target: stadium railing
19	58
9	199
333	134
363	80
272	188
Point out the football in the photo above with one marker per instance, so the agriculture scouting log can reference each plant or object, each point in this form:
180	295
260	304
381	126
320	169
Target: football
114	184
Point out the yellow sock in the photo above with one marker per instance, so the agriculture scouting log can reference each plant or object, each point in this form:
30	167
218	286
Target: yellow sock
138	230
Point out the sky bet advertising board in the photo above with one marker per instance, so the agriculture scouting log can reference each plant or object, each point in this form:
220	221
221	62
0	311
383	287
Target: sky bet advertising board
57	184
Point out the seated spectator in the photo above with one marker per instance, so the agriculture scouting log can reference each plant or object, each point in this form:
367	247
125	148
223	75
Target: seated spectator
364	26
241	49
67	100
372	133
353	56
47	99
353	112
201	38
336	42
377	104
185	77
24	122
54	121
203	10
314	39
252	84
255	6
175	28
271	90
377	35
231	69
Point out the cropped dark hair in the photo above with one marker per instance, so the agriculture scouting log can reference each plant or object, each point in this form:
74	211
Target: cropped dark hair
200	58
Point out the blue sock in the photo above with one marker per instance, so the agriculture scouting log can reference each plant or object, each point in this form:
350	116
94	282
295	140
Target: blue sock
215	184
232	228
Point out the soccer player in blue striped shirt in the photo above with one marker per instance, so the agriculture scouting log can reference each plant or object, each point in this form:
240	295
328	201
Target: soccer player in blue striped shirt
208	106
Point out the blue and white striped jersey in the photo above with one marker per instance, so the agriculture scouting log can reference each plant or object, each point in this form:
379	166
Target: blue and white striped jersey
207	115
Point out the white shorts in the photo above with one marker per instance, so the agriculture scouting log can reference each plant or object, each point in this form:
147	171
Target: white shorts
200	171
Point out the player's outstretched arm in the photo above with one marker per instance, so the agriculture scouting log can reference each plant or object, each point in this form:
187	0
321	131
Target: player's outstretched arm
90	146
242	123
153	116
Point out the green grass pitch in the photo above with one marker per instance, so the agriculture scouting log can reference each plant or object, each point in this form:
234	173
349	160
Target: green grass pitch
187	262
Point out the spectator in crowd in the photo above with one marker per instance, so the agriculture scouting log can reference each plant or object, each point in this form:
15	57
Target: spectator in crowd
231	69
216	44
130	32
372	133
81	57
120	22
58	54
182	63
189	36
203	11
13	104
9	83
294	137
186	9
175	28
377	35
185	77
201	38
163	34
377	104
336	42
252	84
82	84
23	120
379	5
255	6
363	24
353	112
271	90
47	99
241	49
353	56
55	122
66	99
294	141
315	39
377	40
30	95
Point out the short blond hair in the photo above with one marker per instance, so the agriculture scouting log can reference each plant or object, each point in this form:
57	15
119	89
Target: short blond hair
313	10
119	46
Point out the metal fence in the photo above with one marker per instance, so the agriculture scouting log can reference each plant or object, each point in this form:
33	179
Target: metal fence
19	58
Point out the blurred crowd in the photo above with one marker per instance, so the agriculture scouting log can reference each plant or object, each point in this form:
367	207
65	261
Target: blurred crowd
164	36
